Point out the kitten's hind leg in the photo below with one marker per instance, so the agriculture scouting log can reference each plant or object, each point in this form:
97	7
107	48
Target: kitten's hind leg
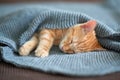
46	39
30	45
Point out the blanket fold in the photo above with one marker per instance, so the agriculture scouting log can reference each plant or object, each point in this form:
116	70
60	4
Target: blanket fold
17	27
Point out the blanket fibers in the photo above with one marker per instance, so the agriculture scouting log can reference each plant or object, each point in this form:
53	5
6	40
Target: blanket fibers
17	27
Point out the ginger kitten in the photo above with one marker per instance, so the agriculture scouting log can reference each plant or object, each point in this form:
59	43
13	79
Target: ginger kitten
78	38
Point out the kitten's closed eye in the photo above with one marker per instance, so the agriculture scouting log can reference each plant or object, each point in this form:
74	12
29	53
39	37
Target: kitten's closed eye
66	43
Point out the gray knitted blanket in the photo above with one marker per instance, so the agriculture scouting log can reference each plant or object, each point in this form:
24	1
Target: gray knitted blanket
17	27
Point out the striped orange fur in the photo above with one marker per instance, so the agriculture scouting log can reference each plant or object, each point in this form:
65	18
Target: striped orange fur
78	38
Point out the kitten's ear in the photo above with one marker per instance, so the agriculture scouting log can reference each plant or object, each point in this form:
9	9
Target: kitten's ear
89	26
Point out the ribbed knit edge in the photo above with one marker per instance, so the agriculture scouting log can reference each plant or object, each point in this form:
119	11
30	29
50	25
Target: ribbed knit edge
48	67
8	43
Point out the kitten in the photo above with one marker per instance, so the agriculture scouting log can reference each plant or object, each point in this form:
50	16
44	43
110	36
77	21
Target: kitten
78	38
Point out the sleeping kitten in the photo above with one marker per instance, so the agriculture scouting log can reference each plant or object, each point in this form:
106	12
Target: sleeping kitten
78	38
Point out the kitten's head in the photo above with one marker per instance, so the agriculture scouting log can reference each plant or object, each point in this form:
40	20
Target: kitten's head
80	38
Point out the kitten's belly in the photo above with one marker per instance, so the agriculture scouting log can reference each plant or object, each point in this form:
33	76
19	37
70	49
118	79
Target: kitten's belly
57	41
58	37
59	33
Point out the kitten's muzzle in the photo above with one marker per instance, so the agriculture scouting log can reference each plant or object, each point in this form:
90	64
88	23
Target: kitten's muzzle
67	48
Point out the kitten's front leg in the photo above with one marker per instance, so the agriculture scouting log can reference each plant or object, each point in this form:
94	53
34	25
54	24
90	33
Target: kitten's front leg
26	48
46	39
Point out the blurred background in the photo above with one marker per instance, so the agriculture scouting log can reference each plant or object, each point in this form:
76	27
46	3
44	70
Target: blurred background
30	1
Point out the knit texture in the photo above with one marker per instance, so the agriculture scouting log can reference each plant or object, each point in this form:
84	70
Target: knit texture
17	27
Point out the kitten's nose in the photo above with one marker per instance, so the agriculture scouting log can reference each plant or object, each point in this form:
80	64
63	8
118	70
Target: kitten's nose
61	47
64	48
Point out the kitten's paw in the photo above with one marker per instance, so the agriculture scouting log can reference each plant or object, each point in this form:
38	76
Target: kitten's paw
23	51
41	53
